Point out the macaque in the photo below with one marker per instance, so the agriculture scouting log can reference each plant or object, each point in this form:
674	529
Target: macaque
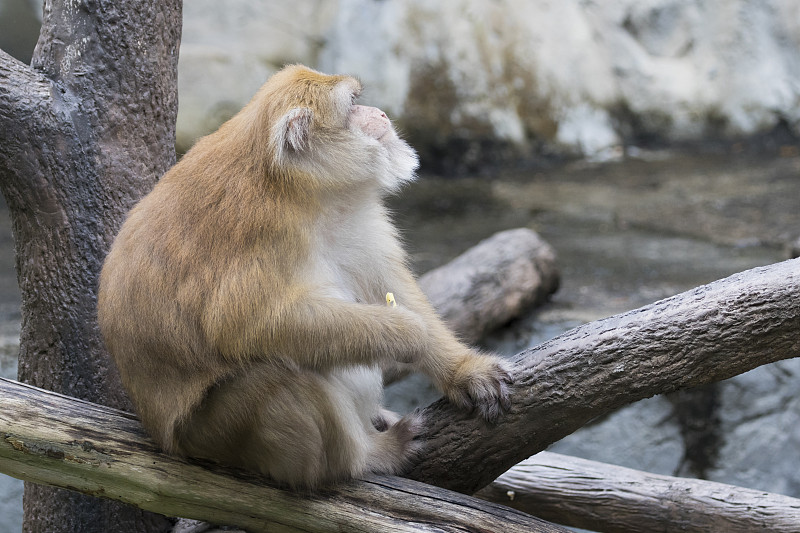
244	299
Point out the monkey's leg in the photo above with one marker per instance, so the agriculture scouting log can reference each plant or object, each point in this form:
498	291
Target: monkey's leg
389	438
391	451
299	427
384	419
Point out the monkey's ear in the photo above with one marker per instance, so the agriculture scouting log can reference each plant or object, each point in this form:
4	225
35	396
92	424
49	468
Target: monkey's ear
293	130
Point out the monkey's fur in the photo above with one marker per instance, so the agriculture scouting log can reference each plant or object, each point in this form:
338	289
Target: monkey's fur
244	298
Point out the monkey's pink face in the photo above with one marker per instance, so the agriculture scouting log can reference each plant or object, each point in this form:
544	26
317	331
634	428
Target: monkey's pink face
370	120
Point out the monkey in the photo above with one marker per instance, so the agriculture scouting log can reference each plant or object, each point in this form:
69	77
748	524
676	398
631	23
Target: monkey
243	300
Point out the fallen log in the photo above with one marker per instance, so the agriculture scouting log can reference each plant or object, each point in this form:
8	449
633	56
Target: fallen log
704	335
602	497
56	440
492	282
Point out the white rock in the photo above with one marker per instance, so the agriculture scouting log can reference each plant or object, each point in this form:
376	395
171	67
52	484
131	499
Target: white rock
582	74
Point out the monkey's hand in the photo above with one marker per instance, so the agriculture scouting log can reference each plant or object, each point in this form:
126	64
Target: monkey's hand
481	382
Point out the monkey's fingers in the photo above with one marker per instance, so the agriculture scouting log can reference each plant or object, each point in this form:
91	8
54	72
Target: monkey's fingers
390	299
497	401
484	386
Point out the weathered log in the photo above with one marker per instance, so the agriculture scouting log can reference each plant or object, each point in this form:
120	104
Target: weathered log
710	333
613	499
61	441
492	282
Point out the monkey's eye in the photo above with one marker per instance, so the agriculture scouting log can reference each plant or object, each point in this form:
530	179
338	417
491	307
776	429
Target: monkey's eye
353	99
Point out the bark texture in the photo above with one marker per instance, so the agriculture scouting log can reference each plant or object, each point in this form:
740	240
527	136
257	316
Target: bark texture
710	333
492	282
85	131
613	499
63	441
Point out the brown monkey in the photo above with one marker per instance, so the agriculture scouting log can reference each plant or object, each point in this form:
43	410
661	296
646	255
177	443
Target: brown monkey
244	298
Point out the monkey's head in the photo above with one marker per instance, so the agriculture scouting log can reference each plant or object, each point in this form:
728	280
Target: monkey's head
315	127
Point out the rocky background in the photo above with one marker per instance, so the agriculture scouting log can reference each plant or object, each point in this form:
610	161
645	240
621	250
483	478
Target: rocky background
471	80
678	120
484	79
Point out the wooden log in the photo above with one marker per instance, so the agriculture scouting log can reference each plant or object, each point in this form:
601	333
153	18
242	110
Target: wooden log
710	333
64	442
704	335
492	282
613	499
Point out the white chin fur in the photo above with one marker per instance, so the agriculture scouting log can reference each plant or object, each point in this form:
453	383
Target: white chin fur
400	166
357	158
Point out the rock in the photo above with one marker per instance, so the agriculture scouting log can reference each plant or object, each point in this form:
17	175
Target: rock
760	420
473	79
19	27
793	249
228	50
643	436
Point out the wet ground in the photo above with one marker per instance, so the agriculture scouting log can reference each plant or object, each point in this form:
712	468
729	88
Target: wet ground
626	233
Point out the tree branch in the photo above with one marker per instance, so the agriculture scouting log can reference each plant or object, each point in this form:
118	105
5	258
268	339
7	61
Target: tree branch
25	109
65	442
613	499
711	333
704	335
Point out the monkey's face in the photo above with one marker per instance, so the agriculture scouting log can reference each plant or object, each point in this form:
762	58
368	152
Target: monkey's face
371	121
321	131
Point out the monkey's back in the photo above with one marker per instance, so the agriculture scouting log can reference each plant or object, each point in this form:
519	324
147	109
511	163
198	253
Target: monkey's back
162	277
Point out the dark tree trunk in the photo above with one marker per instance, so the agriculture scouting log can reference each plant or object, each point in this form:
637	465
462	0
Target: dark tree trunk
84	133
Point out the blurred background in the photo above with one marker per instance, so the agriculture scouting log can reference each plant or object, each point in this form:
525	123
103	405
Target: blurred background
652	143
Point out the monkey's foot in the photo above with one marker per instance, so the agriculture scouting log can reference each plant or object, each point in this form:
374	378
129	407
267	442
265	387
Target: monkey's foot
384	419
482	382
395	449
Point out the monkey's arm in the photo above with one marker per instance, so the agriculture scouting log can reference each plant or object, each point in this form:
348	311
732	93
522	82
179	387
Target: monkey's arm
468	378
320	332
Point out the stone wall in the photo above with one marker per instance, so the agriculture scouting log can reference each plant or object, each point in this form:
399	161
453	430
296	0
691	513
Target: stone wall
481	78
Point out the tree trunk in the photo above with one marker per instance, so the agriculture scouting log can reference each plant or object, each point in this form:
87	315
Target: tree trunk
70	443
613	499
84	133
